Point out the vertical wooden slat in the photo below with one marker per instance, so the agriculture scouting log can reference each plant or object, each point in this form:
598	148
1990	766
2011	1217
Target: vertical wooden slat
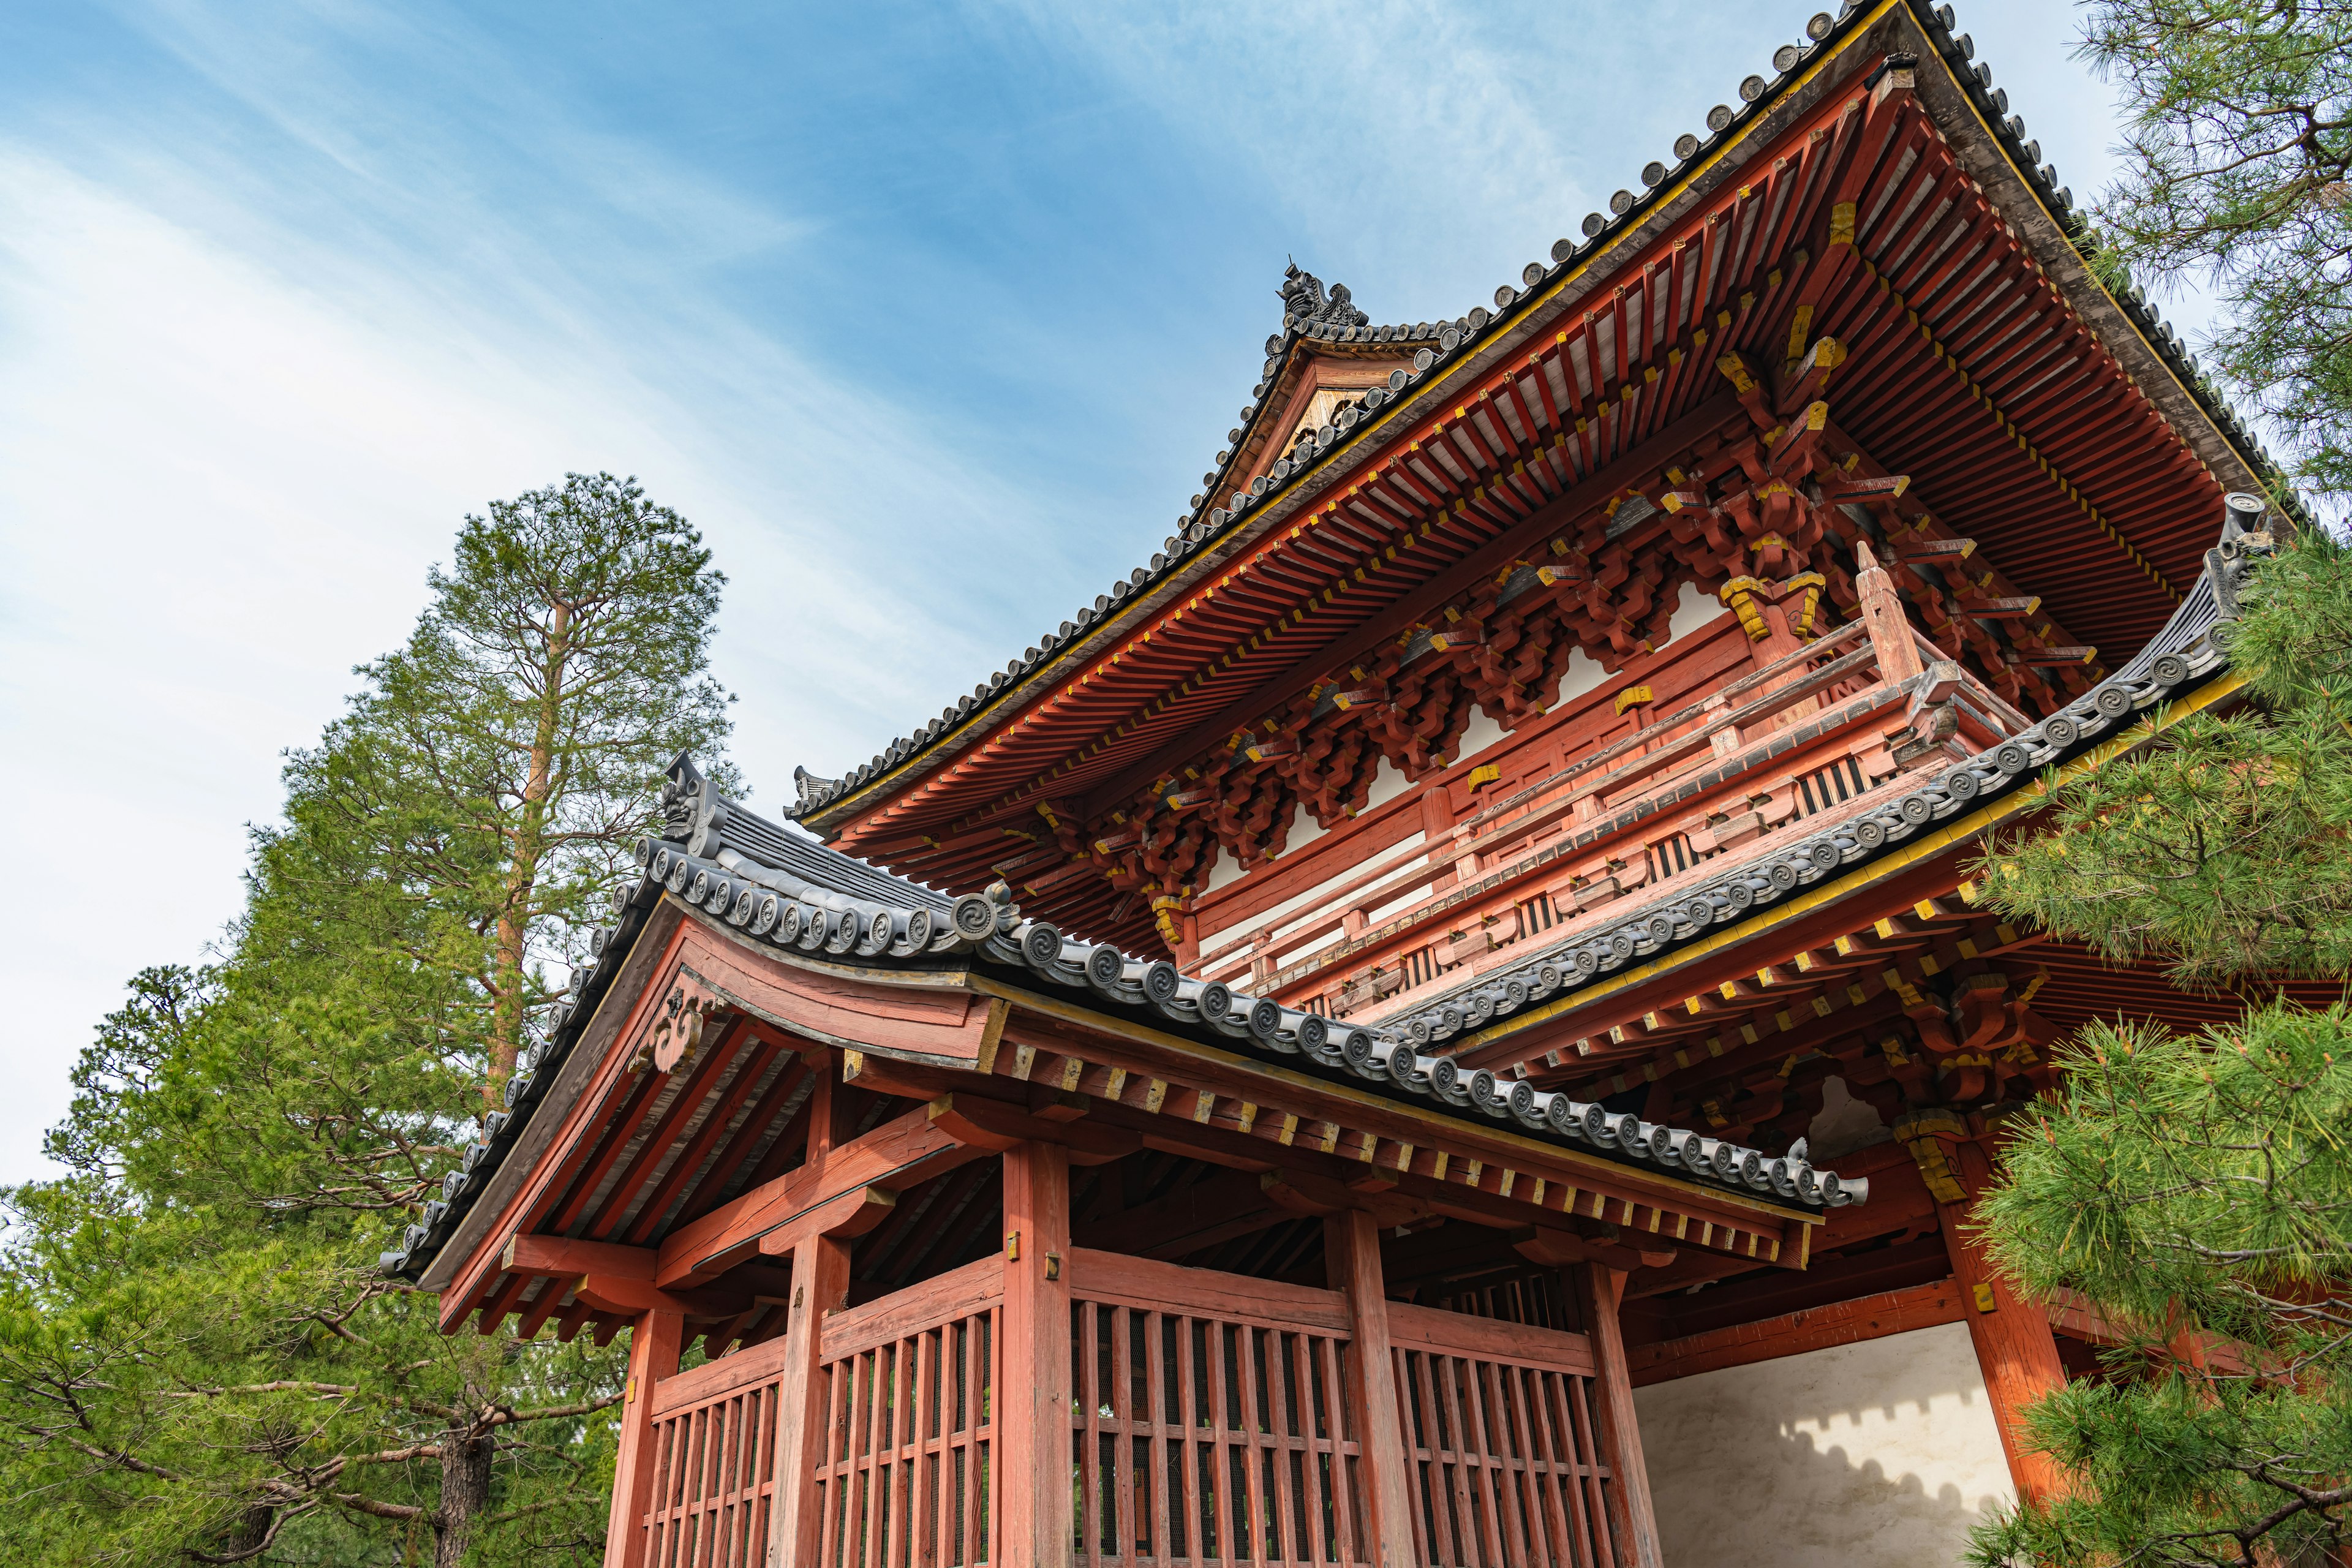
1280	1414
1122	1403
1596	1494
1541	1440
1161	1421
1348	1531
1252	1447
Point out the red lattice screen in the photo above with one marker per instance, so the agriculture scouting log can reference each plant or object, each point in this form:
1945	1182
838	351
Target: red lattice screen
907	1384
1212	1418
1502	1441
714	1458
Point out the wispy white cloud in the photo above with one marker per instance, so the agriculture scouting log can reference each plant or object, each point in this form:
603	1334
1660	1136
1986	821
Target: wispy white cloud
233	431
277	310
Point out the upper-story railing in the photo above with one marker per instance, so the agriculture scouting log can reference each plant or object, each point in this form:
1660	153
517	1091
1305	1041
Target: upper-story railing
1809	732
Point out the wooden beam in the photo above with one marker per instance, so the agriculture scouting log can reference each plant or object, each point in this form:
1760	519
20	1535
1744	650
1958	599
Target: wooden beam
897	1154
993	1126
820	1289
2014	1346
1034	1502
1793	1333
560	1255
1352	1259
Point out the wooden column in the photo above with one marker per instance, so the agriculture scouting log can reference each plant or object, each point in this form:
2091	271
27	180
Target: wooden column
820	1287
1881	612
653	1343
1351	1255
2014	1346
1032	1515
1632	1519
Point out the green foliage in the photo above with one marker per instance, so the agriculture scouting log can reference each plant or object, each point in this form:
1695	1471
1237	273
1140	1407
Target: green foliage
2197	1183
2237	155
2221	843
199	1360
2199	1189
500	764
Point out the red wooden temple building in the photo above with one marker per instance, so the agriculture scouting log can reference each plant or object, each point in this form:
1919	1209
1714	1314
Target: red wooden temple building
1441	1020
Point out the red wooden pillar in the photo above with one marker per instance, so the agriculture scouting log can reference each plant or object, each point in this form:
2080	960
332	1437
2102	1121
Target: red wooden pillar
820	1286
1632	1519
1034	1514
1352	1254
655	1340
2014	1346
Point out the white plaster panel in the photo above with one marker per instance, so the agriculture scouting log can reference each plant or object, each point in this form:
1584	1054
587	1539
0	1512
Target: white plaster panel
1878	1455
1307	904
1693	607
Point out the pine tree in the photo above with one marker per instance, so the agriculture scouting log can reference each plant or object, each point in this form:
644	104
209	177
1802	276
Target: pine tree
2238	173
2199	1188
199	1360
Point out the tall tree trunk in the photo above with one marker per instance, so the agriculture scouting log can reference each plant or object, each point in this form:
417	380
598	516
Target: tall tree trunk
529	842
465	1493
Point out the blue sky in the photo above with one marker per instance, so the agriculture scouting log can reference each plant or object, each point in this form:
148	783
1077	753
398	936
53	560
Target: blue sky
930	317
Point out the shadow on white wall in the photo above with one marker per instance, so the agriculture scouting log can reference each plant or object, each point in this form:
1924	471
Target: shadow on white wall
1879	1455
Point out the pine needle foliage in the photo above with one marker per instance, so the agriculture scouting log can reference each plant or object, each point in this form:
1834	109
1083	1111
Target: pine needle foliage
2237	172
2219	844
2197	1189
200	1360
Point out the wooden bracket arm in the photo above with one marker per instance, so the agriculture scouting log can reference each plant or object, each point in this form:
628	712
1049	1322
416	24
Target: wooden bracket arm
560	1255
1559	1248
992	1124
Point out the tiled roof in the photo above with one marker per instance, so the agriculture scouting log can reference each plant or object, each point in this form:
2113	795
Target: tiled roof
1211	515
779	888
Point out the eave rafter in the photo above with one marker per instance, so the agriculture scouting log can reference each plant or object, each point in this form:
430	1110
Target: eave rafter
1864	233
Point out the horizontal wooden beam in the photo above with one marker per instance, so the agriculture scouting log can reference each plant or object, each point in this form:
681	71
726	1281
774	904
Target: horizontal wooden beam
1816	1328
993	1126
560	1255
898	1153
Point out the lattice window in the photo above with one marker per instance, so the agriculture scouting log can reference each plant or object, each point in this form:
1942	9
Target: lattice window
714	1458
1502	1448
903	1475
1209	1433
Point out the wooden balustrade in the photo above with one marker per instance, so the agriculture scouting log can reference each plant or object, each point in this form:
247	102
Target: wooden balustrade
909	1387
1504	1447
1211	1420
713	1454
1519	847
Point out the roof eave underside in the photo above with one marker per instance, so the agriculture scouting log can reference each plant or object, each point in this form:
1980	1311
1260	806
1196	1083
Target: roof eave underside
1856	48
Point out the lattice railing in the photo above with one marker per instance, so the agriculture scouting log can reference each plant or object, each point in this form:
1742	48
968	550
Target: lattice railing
713	1452
908	1386
1502	1441
1210	1422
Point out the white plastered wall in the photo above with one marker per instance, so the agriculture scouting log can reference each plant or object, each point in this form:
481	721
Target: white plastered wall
1878	1455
